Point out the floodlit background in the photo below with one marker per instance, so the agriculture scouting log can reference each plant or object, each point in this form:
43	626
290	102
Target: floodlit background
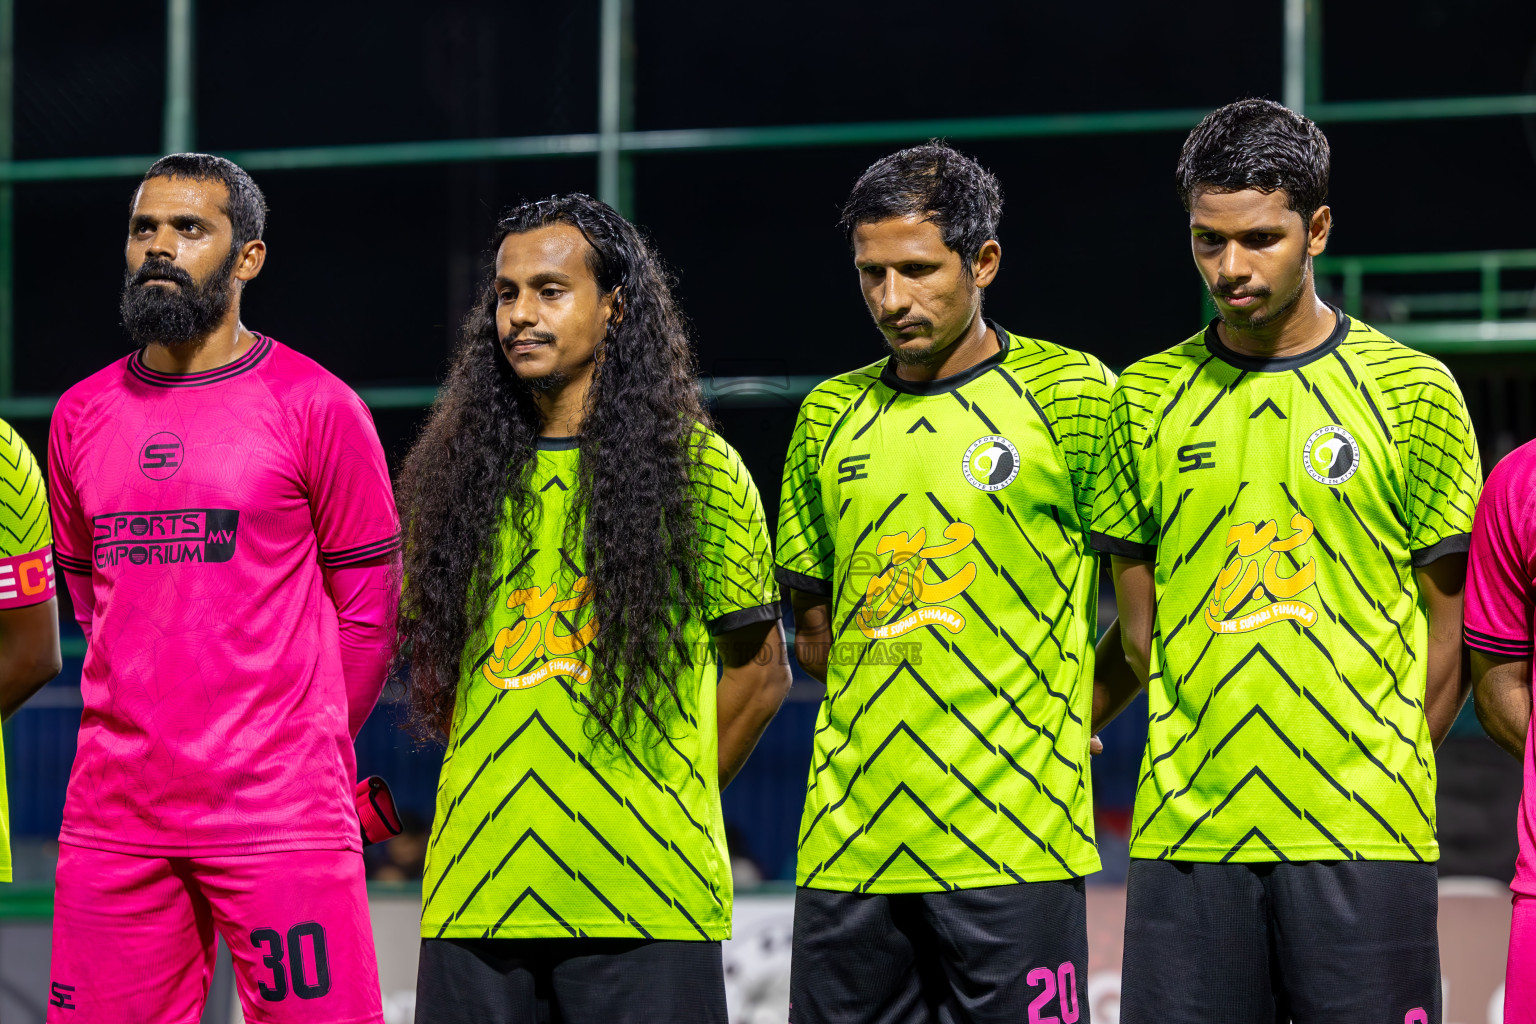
387	136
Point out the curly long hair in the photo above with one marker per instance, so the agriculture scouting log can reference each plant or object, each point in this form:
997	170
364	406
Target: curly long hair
639	537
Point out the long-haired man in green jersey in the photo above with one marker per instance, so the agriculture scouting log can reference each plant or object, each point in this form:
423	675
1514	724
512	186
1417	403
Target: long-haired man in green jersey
934	534
1288	500
594	628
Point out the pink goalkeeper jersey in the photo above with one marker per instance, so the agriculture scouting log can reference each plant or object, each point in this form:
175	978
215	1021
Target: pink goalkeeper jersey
203	507
1501	599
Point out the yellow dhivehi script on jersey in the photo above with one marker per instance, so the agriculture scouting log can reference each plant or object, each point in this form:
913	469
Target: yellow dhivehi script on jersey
531	638
905	582
1253	574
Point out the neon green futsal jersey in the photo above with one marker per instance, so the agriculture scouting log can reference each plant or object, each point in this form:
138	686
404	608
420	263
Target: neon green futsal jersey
948	524
26	563
540	833
1285	504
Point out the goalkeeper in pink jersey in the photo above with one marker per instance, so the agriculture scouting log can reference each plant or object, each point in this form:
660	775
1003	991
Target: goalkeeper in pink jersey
1500	621
224	523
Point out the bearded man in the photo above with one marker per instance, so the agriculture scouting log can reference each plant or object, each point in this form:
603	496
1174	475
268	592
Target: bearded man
223	517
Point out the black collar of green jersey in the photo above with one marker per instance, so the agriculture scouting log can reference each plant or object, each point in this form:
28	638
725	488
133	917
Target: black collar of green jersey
557	444
955	381
1219	349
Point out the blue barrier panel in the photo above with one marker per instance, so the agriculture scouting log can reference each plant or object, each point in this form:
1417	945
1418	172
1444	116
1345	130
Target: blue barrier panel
765	800
1115	769
384	748
39	752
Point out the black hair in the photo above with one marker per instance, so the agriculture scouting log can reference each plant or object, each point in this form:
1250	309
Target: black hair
639	542
1256	144
245	206
943	185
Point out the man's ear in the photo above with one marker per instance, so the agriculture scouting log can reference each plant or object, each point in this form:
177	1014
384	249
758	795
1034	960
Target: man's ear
253	256
1318	230
989	259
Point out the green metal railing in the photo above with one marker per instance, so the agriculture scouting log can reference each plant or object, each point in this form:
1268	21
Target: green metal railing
1488	334
615	144
26	902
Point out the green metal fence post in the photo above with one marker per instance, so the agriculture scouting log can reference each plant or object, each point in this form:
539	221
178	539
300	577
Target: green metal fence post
1353	288
7	200
615	106
1294	88
1314	51
1490	274
177	134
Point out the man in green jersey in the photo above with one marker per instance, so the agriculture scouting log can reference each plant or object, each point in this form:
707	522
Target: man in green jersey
1287	498
29	609
582	554
934	534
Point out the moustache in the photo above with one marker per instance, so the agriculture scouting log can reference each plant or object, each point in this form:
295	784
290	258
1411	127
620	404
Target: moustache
1230	293
544	336
162	270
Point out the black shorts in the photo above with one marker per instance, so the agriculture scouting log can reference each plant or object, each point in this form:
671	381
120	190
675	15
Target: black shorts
569	981
1313	942
1004	953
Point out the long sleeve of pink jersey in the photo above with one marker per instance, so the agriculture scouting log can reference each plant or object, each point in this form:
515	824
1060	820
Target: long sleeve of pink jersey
1499	602
349	490
359	537
366	598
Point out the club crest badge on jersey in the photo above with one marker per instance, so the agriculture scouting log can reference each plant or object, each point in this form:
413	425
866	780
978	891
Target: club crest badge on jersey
1331	455
991	463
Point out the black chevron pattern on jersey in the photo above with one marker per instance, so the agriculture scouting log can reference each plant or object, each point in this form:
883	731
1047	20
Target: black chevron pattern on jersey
736	548
967	766
1243	752
543	832
1426	417
24	524
583	765
1289	739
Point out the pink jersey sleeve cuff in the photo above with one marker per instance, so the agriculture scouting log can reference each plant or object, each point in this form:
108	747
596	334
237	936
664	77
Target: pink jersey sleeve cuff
26	579
1498	646
361	553
78	566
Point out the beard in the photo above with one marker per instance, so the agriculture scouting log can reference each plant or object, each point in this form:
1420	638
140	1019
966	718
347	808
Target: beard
1258	323
554	380
551	381
927	353
157	315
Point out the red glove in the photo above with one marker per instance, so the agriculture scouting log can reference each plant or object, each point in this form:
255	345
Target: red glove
376	810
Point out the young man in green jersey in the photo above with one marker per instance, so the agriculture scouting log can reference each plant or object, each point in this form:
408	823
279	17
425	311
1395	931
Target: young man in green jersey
1287	498
582	554
934	534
